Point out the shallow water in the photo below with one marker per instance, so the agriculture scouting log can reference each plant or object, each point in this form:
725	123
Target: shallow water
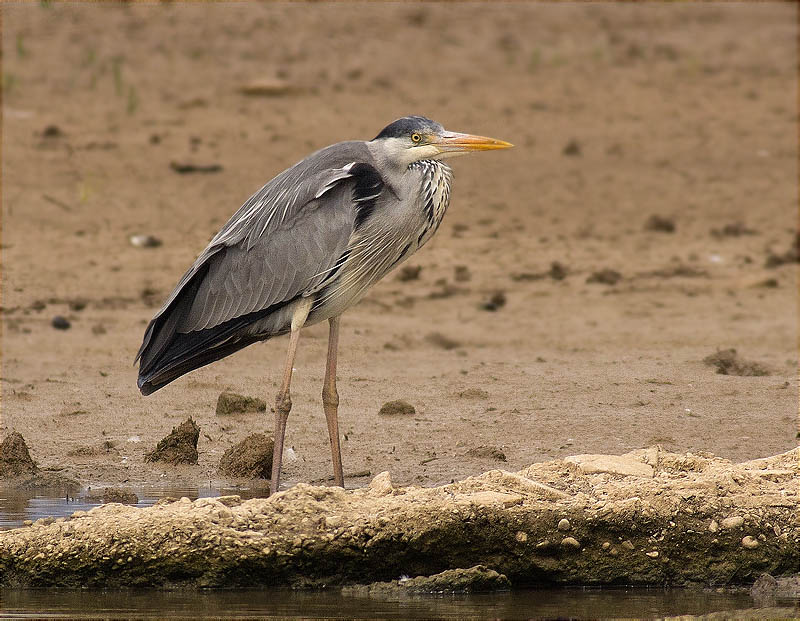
16	505
282	603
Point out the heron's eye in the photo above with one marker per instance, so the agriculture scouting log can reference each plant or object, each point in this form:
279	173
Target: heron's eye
415	137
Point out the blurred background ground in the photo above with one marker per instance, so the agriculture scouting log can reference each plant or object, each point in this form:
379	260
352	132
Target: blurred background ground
603	315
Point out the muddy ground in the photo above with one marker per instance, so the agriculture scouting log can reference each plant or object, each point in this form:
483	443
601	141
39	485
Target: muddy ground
597	345
650	517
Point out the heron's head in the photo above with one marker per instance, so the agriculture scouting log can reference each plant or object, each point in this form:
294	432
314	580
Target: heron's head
415	138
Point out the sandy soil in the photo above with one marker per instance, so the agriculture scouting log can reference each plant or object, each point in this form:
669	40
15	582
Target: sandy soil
618	112
649	517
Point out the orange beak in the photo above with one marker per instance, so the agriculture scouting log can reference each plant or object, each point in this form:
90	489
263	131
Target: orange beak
452	141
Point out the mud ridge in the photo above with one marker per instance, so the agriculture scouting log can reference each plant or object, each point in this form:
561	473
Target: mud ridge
648	517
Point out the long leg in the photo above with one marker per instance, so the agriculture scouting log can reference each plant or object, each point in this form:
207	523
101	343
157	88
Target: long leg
283	402
330	401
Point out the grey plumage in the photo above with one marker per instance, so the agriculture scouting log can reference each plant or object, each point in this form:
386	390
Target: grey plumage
304	248
328	227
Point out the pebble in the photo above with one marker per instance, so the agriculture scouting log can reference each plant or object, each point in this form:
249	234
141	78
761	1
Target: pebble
145	241
749	542
60	323
521	537
570	542
653	554
714	526
564	525
606	545
627	544
735	521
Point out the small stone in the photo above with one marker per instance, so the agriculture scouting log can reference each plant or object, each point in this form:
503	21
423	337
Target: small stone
735	521
714	526
487	451
409	272
653	554
496	301
232	403
333	521
749	542
398	407
381	485
60	323
627	545
564	525
570	542
606	545
145	241
521	537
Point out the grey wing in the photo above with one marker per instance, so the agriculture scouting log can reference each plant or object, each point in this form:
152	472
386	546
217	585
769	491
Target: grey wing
279	243
290	261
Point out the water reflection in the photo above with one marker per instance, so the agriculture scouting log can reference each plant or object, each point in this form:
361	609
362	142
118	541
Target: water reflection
281	603
18	505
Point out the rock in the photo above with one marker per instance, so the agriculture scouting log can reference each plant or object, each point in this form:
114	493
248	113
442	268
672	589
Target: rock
145	241
477	579
572	148
440	340
462	273
714	526
734	521
570	542
496	301
749	542
557	271
268	87
487	451
473	393
605	277
179	447
381	484
15	460
409	272
232	403
564	525
60	323
728	362
186	167
660	224
251	458
398	407
612	464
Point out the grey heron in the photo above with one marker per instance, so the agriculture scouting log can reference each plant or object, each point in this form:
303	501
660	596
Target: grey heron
304	248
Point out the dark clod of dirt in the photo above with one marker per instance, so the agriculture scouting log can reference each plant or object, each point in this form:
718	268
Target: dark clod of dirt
462	273
184	168
477	579
440	340
251	458
116	494
60	323
572	148
557	271
734	229
397	408
790	256
409	272
179	447
496	301
487	451
52	131
728	362
660	224
605	277
231	403
15	460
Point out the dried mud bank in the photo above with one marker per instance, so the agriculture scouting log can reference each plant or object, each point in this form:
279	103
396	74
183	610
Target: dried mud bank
649	517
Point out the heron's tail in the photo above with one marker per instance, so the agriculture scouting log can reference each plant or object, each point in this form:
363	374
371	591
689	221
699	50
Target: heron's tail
166	354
